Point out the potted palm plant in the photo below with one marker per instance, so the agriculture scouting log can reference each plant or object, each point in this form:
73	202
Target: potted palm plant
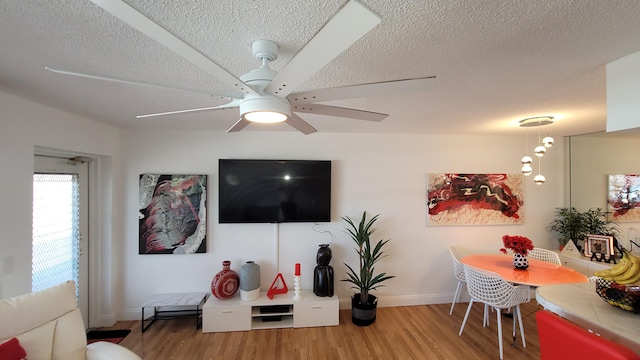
570	224
364	304
574	225
600	222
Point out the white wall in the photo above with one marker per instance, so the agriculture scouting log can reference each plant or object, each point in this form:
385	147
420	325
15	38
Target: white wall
24	127
623	85
383	174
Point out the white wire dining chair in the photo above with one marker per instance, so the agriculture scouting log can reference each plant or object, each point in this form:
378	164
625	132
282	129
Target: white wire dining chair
457	253
544	255
492	290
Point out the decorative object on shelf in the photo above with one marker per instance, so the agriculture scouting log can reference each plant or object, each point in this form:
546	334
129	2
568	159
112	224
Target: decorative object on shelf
250	281
474	199
520	245
274	289
540	150
225	283
172	214
570	249
296	283
363	304
323	272
600	248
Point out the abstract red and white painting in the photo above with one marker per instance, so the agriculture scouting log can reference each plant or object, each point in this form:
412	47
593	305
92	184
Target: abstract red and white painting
623	197
474	199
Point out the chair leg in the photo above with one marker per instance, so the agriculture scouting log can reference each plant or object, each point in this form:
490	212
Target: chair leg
485	320
456	296
513	329
524	344
466	316
499	316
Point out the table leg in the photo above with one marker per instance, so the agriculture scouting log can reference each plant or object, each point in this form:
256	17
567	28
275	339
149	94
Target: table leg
155	317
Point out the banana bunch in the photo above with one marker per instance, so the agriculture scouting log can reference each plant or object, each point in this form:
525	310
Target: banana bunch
627	271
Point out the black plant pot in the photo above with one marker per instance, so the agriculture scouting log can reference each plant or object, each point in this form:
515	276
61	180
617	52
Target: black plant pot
363	314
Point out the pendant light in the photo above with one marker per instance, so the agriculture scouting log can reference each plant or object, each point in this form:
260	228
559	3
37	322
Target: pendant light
539	179
526	165
540	150
548	141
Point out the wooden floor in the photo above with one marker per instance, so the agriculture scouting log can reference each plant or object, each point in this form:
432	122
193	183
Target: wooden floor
410	332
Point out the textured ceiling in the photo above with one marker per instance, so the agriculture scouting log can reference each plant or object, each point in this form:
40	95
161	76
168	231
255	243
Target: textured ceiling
496	61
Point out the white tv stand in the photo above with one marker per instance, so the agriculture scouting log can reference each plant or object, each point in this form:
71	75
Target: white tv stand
282	311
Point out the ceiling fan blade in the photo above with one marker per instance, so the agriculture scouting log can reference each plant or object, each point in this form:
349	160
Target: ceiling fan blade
221	107
138	83
304	127
143	24
350	24
340	112
239	125
364	90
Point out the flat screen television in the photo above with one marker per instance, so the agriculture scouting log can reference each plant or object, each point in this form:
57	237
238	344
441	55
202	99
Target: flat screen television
274	191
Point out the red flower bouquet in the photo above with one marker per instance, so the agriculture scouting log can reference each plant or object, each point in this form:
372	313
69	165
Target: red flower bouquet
517	244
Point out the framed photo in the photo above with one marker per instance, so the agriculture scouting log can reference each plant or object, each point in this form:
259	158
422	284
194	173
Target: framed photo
599	245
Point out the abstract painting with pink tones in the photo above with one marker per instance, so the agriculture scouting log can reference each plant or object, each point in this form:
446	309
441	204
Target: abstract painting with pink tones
172	214
623	197
474	199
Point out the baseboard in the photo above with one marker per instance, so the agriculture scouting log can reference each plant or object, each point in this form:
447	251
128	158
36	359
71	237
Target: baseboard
106	321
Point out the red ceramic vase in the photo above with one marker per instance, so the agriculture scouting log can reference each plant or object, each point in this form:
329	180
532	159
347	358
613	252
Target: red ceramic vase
225	284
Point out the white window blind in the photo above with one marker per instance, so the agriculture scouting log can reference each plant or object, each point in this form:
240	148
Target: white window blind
56	234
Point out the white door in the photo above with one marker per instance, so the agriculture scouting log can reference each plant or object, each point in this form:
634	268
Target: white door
60	226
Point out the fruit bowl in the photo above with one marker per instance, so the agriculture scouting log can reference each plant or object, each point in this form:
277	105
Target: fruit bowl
626	297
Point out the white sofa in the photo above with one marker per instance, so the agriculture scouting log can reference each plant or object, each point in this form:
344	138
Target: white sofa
49	326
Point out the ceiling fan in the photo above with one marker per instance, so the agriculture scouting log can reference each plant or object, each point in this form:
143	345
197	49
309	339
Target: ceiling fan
265	95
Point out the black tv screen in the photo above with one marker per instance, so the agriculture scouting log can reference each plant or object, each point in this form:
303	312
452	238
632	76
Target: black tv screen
274	191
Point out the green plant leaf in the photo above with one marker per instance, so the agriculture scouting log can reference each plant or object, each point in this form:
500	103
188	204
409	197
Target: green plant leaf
364	279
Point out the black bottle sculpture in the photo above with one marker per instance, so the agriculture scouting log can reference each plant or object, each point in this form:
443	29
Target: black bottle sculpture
323	272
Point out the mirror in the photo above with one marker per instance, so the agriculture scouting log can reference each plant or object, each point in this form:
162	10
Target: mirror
590	158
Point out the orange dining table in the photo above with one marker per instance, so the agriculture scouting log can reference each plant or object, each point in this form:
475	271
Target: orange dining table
537	274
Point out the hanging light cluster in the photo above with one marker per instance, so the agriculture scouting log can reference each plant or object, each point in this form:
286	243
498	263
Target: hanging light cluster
540	150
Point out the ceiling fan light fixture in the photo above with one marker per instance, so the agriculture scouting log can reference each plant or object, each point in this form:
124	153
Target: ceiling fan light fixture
266	117
265	109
